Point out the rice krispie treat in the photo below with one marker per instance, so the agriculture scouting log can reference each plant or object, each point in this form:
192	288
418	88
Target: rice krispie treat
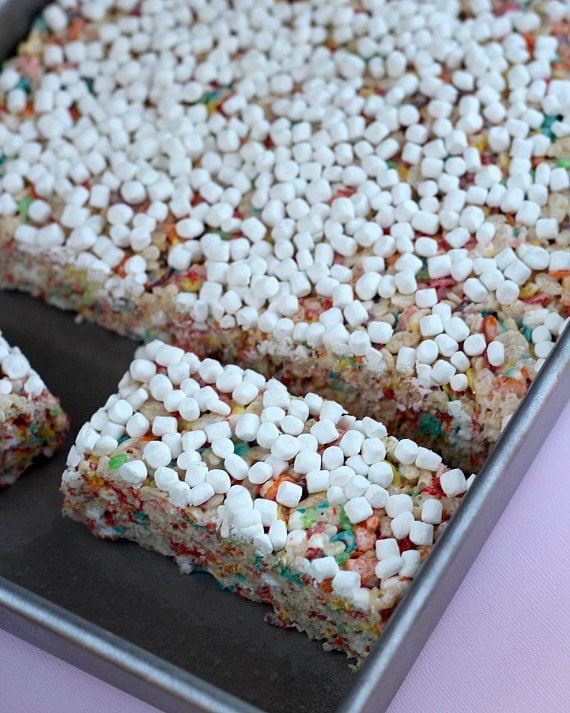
32	422
286	500
368	198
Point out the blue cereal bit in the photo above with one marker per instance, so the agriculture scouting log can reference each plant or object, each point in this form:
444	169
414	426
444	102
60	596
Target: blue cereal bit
546	126
291	576
347	538
241	448
141	517
430	424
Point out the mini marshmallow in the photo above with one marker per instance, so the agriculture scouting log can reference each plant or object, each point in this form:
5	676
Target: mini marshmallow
386	548
388	567
421	533
427	459
165	478
137	425
244	393
267	434
236	466
324	431
289	494
410	563
164	424
285	447
259	473
356	486
200	494
219	480
401	524
219	429
142	369
351	443
496	353
278	534
345	583
381	473
474	345
398	504
453	482
432	511
307	461
133	472
333	457
357	509
318	481
373	450
267	509
376	495
156	454
406	451
324	568
247	427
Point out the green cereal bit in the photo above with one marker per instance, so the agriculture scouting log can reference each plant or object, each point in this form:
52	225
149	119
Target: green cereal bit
563	163
343	557
54	411
24	206
344	521
309	518
412	492
118	461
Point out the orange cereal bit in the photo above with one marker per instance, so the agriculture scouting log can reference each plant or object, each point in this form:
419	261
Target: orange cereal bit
514	386
365	538
490	327
271	492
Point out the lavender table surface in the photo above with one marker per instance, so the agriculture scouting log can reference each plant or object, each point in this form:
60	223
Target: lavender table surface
503	645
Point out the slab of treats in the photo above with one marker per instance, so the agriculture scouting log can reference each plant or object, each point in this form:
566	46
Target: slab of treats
369	199
32	422
286	500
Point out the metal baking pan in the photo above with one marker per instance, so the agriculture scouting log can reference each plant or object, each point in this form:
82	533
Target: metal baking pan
180	643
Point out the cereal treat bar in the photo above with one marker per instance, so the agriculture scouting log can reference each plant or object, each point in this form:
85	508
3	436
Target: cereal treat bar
285	500
368	199
32	422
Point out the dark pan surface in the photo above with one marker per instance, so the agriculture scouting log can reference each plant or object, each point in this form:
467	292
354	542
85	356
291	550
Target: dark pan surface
135	594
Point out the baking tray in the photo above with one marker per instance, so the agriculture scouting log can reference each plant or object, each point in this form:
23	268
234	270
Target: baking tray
178	642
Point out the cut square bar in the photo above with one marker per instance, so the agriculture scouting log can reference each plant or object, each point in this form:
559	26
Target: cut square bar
284	499
32	422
